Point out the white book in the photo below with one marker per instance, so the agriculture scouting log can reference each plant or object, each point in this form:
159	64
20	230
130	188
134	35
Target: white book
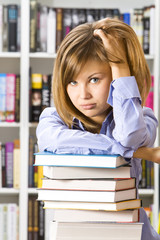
12	221
71	215
86	196
51	31
86	172
152	30
49	215
43	28
95	231
89	184
72	160
1	221
118	206
4	220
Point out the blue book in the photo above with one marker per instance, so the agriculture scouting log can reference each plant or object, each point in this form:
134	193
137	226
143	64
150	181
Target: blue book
72	160
126	18
2	97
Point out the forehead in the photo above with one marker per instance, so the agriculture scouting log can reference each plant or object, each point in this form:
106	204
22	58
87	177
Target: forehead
93	67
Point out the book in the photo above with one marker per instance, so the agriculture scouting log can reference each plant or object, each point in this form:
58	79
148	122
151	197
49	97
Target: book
51	31
17	99
72	160
43	28
16	164
0	165
90	184
95	231
71	215
10	97
2	97
33	23
9	164
36	96
41	221
86	196
117	206
5	28
59	26
12	27
86	172
3	158
1	27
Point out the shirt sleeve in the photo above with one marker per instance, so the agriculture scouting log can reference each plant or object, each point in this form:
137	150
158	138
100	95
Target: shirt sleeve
55	136
135	126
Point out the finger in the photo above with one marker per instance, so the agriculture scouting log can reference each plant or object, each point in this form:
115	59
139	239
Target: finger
100	33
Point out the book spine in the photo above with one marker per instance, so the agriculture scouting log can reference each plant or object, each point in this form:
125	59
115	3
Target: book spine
67	21
38	46
2	97
41	220
10	97
9	164
18	28
16	164
35	169
146	30
4	223
11	221
150	97
5	28
30	218
1	28
45	91
33	24
59	17
3	157
43	28
30	167
35	219
0	165
36	96
51	31
17	99
12	27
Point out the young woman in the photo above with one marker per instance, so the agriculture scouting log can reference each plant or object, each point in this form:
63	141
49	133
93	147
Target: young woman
100	83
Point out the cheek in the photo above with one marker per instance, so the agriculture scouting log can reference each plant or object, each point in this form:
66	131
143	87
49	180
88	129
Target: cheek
71	94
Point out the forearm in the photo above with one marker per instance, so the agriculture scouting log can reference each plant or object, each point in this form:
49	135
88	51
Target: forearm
150	154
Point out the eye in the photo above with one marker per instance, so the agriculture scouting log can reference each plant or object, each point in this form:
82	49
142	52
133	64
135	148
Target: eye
73	83
94	80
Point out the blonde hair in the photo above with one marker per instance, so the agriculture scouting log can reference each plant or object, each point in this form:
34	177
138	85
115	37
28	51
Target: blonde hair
78	47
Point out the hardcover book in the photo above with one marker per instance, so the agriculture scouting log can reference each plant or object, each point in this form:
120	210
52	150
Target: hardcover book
86	196
12	27
96	231
72	160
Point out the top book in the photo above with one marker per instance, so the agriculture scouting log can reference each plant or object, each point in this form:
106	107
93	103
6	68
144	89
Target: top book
72	160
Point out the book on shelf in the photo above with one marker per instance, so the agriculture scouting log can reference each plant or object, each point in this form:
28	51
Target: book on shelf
86	172
36	80
1	28
10	97
86	196
89	184
63	20
9	215
35	219
96	231
12	27
16	164
72	160
5	29
9	147
71	215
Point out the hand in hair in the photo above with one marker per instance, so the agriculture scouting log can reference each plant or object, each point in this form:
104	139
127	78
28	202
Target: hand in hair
118	69
150	154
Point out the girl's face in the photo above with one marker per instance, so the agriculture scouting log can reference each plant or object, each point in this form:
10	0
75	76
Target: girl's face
89	90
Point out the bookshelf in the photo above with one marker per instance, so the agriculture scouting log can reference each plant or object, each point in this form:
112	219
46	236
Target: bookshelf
20	62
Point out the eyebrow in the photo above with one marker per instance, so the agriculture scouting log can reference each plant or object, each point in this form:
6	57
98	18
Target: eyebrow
94	74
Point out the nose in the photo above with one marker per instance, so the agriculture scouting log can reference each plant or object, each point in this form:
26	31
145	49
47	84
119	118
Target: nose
84	92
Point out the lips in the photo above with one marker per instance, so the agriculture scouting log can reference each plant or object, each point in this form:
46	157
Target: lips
88	106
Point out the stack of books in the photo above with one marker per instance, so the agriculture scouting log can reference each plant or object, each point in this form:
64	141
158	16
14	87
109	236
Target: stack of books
94	197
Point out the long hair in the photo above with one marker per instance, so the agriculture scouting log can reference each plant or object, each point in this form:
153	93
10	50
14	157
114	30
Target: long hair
78	47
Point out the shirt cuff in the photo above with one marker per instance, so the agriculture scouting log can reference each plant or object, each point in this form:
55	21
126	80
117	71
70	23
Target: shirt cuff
124	88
